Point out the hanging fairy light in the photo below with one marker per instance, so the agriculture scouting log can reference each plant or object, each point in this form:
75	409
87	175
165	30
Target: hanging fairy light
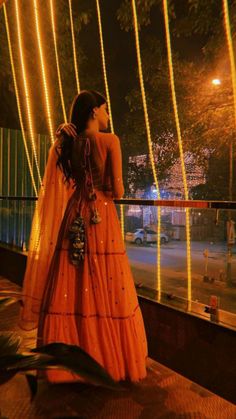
26	88
57	60
18	100
43	71
104	64
180	143
107	93
74	47
230	50
233	78
150	147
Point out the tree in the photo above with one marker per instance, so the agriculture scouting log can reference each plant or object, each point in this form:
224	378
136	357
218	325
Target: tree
206	113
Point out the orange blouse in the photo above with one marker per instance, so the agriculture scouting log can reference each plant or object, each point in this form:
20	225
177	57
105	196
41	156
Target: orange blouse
106	162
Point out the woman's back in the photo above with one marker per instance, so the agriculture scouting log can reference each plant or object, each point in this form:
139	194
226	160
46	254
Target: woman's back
105	161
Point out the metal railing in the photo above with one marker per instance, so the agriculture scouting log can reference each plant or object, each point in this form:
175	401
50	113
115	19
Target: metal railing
218	205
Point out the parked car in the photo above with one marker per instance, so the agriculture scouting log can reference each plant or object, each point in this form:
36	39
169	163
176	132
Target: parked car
138	236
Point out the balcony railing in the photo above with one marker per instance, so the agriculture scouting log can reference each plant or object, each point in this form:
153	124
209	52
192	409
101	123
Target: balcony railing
221	205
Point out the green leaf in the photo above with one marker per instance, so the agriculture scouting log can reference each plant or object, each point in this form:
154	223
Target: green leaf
25	362
52	356
75	359
11	364
9	343
6	301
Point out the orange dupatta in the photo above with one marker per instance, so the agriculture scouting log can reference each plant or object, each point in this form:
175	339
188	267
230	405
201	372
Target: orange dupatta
49	211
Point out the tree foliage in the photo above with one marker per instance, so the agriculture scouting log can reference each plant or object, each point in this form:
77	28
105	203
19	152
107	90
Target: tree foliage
199	54
206	112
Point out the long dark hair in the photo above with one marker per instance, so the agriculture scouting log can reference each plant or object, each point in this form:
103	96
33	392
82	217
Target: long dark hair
80	113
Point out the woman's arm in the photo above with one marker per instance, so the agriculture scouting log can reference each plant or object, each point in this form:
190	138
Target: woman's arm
116	167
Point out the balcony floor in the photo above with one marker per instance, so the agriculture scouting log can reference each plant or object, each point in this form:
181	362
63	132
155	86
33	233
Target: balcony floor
163	394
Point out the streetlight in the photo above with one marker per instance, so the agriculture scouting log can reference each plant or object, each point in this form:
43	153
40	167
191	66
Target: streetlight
216	82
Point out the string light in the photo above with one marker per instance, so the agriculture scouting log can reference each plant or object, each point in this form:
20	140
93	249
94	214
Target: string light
43	70
148	131
180	143
231	50
104	64
233	78
74	48
26	89
108	96
18	99
57	60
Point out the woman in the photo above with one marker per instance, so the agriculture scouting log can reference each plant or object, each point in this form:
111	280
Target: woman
89	298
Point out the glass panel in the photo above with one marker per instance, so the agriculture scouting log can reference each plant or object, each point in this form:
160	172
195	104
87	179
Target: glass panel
173	255
15	222
213	259
15	179
141	244
213	254
213	265
142	250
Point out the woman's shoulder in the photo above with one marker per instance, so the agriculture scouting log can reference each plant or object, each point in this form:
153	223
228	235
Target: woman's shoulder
98	134
108	138
104	139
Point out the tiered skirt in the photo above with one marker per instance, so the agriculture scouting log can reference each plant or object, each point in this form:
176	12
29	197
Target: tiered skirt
94	305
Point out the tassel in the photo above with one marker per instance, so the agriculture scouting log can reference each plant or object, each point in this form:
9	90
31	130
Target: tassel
77	240
96	219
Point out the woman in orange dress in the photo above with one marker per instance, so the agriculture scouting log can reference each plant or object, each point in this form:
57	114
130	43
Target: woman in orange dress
89	298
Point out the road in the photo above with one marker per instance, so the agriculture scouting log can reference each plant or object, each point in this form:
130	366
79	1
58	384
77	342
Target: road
173	256
173	270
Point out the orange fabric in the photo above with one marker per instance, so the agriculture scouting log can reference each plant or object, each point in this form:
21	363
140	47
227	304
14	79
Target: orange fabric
95	305
48	215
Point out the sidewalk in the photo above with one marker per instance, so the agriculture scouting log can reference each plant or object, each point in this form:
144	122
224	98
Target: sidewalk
163	394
